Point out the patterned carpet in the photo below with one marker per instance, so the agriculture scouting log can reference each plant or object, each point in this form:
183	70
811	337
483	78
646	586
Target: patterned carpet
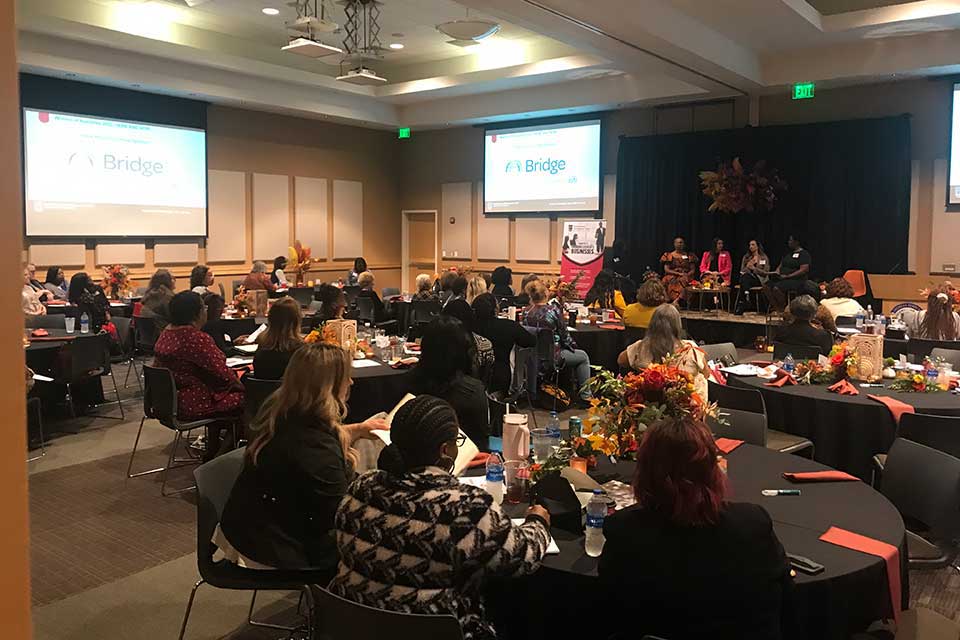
938	590
89	525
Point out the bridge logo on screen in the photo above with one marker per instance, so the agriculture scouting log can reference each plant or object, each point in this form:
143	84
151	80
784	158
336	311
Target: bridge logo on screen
541	165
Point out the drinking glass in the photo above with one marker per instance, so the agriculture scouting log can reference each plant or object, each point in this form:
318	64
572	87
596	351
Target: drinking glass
543	443
69	323
517	476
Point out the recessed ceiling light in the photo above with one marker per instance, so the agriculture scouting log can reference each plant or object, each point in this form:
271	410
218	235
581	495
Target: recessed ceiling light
396	45
270	11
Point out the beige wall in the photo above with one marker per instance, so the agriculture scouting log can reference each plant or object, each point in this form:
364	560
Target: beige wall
252	142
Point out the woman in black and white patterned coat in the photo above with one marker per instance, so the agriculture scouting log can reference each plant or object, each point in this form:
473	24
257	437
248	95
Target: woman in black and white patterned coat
414	539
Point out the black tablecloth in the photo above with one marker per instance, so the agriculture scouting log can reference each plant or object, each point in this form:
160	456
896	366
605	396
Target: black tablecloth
602	345
376	389
846	430
563	599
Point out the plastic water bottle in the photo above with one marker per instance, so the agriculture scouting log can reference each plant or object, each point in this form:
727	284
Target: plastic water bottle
789	364
556	348
553	425
861	316
84	323
596	512
870	313
495	477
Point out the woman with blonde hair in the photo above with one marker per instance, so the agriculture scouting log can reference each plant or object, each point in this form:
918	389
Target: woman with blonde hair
277	344
662	341
476	285
296	470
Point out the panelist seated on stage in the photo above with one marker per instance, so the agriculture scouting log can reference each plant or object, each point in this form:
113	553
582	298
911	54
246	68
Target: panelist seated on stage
604	294
650	295
716	263
679	269
662	340
793	275
938	321
839	300
706	567
753	267
802	331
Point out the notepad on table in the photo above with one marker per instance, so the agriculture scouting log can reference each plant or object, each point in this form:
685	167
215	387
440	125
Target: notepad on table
363	364
247	348
239	362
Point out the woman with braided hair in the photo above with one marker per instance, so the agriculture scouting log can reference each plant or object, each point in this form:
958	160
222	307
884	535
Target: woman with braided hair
413	539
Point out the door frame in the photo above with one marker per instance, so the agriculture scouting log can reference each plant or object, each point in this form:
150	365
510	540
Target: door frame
405	243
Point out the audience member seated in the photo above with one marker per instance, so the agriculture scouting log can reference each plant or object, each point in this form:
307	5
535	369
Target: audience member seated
206	387
604	294
523	299
446	370
502	279
445	284
801	330
89	298
155	303
793	275
425	291
548	316
679	270
201	280
280	514
30	299
687	549
505	335
280	341
34	283
277	277
938	321
257	279
839	300
650	295
475	286
754	269
662	341
333	304
56	283
353	278
214	327
484	360
716	263
398	548
367	284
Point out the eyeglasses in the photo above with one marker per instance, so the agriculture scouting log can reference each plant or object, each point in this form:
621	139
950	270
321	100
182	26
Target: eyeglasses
461	440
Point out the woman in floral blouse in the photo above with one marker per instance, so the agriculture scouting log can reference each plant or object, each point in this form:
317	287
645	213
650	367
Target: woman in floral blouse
679	269
206	387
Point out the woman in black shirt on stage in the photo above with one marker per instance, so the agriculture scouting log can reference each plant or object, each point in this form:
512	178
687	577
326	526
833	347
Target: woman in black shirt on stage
504	334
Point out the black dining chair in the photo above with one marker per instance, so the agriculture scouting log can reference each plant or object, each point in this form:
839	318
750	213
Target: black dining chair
740	425
47	322
214	481
937	432
846	322
303	295
389	292
799	352
351	292
548	369
751	400
920	349
423	311
725	352
160	404
128	349
344	619
144	335
257	391
950	356
525	360
35	426
85	358
924	485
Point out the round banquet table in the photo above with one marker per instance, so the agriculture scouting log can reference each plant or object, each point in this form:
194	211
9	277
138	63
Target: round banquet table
375	389
602	345
846	430
847	596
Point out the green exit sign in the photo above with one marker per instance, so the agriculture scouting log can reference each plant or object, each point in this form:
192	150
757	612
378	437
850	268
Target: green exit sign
403	132
803	91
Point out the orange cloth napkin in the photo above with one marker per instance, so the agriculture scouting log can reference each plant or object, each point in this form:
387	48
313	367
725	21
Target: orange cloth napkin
39	333
844	388
615	327
897	408
819	476
857	542
783	378
726	445
478	460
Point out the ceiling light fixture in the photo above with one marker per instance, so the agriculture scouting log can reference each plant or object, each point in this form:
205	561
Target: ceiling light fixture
270	11
312	20
475	30
361	41
396	46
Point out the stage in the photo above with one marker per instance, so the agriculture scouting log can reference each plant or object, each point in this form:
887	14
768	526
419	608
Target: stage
711	327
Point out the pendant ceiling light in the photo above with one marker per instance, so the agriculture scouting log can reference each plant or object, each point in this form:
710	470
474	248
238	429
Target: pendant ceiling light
469	30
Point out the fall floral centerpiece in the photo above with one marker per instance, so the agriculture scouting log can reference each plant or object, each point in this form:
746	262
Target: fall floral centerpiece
621	409
116	280
733	188
242	303
841	363
299	261
565	290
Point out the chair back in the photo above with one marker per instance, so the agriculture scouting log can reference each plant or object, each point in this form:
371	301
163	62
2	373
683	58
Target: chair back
920	348
89	356
857	280
125	333
423	311
365	309
741	425
350	293
344	619
303	295
947	355
799	352
389	292
257	391
719	351
732	397
506	301
845	321
215	480
54	321
144	334
924	485
160	395
937	432
633	334
545	348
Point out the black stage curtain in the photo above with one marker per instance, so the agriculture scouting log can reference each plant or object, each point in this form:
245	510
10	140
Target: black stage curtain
848	198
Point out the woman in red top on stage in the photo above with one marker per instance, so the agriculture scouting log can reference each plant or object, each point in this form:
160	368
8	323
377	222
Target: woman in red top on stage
206	387
679	269
717	262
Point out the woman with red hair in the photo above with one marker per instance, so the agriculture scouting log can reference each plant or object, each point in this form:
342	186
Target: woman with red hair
685	562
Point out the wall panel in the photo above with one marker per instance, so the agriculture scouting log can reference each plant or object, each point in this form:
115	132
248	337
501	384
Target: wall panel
271	216
311	214
128	253
493	234
176	253
64	255
227	223
533	239
456	221
348	219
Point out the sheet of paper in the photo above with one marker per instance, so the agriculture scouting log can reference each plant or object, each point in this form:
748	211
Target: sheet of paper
741	370
475	481
239	362
823	361
363	364
41	378
253	336
247	348
552	548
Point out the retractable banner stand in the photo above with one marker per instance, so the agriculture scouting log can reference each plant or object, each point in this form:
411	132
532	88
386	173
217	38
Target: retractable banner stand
582	251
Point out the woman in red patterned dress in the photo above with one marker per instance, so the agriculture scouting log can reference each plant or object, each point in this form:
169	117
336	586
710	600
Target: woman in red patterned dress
679	269
206	387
